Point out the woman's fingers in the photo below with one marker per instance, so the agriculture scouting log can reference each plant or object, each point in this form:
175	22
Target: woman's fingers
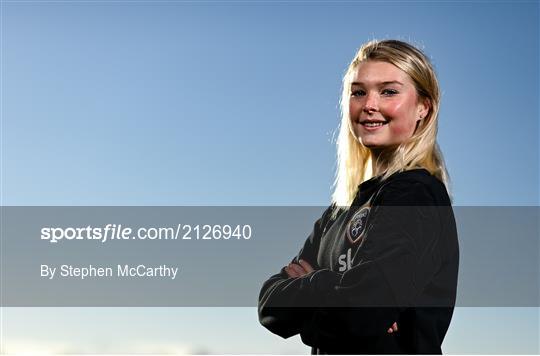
392	329
294	270
307	267
291	272
299	269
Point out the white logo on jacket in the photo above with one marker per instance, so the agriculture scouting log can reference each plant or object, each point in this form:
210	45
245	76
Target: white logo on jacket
345	261
357	225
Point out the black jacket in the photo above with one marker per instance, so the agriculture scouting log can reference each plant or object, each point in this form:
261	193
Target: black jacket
391	257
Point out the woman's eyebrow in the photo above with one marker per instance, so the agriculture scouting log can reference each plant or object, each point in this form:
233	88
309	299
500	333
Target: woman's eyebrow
380	83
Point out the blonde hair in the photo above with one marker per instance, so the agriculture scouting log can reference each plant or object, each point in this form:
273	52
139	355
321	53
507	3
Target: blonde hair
420	151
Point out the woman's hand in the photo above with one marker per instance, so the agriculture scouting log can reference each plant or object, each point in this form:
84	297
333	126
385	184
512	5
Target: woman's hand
302	268
298	269
392	329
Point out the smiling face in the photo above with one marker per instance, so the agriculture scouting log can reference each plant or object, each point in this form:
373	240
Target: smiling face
383	106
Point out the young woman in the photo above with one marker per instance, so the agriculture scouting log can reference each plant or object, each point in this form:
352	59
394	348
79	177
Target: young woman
378	273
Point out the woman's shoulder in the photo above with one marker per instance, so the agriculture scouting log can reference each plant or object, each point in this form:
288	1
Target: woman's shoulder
413	187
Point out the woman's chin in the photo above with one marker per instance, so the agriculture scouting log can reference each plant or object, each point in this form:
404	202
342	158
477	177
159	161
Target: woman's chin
371	144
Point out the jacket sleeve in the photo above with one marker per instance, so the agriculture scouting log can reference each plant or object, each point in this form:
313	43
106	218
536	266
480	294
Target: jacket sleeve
286	304
395	262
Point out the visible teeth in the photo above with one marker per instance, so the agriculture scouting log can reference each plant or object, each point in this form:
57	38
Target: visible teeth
373	124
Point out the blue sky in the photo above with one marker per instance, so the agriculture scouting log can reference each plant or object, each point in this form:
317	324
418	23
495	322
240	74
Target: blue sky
235	103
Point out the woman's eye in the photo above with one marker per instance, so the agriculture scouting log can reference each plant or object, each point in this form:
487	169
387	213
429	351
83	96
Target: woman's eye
357	93
389	92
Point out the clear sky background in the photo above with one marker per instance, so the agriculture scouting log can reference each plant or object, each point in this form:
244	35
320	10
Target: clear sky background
236	103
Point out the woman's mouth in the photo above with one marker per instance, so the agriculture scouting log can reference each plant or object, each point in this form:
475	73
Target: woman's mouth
371	126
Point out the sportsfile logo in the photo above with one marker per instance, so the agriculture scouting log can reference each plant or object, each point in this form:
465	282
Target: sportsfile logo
110	231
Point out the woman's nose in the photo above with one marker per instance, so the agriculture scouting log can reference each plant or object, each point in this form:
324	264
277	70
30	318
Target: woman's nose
371	104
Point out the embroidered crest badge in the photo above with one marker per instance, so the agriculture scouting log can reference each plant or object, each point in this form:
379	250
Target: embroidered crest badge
357	225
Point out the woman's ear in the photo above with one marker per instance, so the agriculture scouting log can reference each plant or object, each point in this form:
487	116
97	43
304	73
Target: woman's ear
423	108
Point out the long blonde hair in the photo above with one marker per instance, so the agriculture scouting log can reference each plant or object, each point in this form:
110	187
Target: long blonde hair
354	160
